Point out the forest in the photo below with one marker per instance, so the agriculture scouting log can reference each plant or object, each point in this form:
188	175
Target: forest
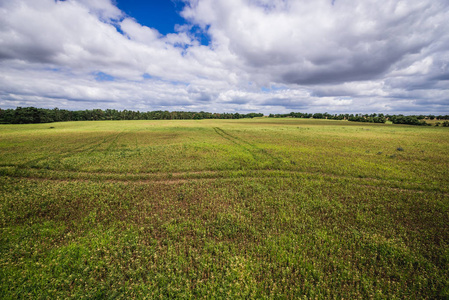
372	118
33	115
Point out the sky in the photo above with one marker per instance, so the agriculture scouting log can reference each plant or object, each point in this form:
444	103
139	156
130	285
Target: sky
269	56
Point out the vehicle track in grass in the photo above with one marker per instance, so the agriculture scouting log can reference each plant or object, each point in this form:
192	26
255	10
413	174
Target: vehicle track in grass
32	170
113	144
87	147
209	175
256	152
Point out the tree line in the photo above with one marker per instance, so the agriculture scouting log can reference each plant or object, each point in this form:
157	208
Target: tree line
28	115
370	118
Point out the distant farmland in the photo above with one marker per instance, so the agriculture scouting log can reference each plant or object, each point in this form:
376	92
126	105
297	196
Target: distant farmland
249	208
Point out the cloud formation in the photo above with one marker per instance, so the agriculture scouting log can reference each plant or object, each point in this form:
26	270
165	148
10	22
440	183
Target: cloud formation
269	56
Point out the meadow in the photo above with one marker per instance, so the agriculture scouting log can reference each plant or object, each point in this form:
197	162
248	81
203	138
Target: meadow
253	208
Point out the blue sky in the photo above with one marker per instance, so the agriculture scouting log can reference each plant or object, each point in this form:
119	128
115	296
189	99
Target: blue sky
270	56
163	15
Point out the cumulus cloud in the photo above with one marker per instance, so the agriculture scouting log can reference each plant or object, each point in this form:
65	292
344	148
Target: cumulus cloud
269	56
313	42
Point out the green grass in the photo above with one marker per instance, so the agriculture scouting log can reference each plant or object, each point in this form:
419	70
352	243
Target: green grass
261	208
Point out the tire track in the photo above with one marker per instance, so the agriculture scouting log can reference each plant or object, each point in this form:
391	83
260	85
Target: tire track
256	152
235	141
198	176
89	148
113	144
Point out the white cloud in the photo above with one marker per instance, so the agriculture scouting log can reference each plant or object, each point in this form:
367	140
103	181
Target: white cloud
104	9
308	42
321	55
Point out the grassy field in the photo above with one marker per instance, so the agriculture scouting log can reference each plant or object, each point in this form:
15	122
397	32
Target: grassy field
257	208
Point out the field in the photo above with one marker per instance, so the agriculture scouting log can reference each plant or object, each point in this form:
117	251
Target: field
254	208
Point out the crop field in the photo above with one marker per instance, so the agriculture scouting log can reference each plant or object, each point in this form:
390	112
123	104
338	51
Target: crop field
225	209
